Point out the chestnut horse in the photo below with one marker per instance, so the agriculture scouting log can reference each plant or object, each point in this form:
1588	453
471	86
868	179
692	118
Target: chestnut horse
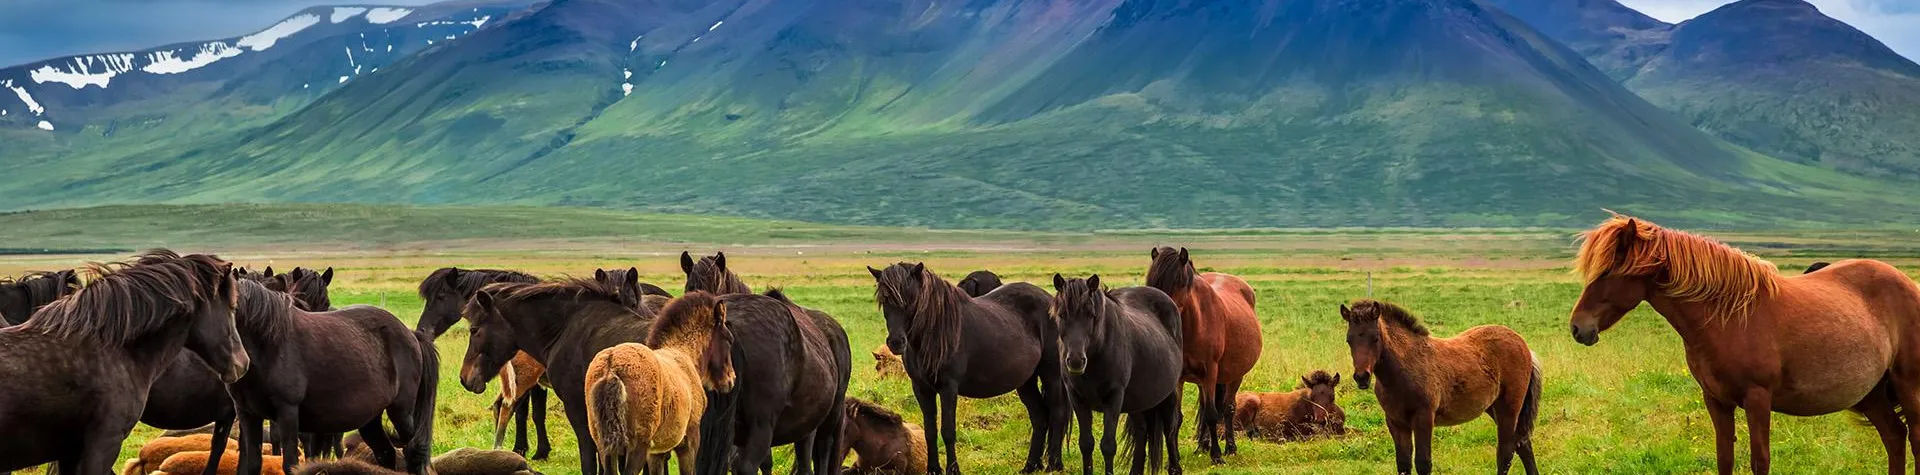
645	402
1299	414
1428	382
1220	338
1804	345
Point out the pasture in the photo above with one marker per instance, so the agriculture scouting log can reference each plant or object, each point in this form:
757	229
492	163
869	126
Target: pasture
1625	406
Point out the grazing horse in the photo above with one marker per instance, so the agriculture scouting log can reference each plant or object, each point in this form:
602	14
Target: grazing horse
1220	338
975	347
20	297
793	366
886	443
1122	356
710	275
1294	415
645	402
78	371
1804	345
562	324
1428	382
330	373
979	282
519	381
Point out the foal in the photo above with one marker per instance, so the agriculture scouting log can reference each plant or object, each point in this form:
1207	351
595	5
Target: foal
644	401
1294	415
1122	356
1428	382
887	444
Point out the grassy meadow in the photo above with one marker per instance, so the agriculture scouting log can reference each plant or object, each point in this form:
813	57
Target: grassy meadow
1627	405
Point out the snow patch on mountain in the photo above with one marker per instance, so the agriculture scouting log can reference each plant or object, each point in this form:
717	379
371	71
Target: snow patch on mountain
171	62
44	125
382	16
341	14
32	106
83	71
266	38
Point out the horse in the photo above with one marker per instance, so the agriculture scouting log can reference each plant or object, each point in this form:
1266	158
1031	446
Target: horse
81	366
521	394
20	297
1428	382
978	283
886	443
471	461
447	289
1122	356
886	364
1220	338
1755	340
330	373
793	365
955	345
645	401
561	324
1299	414
710	274
632	290
309	288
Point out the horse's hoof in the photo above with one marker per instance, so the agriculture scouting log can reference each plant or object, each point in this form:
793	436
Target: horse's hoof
1218	461
1030	468
1232	448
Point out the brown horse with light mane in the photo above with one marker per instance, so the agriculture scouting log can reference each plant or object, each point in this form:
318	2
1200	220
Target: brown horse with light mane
1804	345
1428	382
1220	338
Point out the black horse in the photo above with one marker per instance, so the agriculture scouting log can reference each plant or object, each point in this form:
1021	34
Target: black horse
1122	356
979	348
79	370
632	290
20	297
446	291
711	275
978	283
330	373
792	366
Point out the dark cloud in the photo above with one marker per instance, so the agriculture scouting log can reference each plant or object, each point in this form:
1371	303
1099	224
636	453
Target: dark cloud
32	30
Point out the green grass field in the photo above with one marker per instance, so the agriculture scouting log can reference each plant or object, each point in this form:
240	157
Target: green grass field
1627	405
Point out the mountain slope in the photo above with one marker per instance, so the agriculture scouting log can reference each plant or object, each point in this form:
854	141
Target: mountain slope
1613	37
1001	113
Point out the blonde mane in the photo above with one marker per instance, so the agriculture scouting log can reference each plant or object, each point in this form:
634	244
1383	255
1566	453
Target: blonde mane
1696	268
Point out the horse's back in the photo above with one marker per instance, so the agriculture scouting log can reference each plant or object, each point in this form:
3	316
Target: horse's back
1233	303
1476	369
1155	306
1021	299
1230	285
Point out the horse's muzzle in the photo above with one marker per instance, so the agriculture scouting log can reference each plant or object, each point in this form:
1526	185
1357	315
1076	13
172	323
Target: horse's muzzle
1076	366
1363	379
897	346
1587	336
237	368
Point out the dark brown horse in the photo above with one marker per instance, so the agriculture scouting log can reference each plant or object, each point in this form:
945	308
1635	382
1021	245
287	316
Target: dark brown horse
1220	338
955	346
1122	356
330	373
78	370
793	366
20	297
979	282
711	275
308	288
446	292
1817	343
632	290
1428	382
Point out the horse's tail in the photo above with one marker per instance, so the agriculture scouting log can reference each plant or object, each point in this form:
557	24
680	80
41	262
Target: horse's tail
1148	432
607	408
1530	410
420	447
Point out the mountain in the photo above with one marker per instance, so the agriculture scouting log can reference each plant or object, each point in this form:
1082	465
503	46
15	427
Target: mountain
994	113
1777	76
229	83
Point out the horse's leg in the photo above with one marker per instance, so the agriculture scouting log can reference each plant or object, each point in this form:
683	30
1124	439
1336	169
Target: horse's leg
803	455
949	405
538	408
1505	424
1402	447
827	458
375	436
1171	432
287	418
1878	408
97	456
577	415
250	439
929	415
1085	415
1059	409
222	428
1039	418
756	447
1225	401
684	454
520	407
1423	442
1759	407
1108	444
1210	420
1723	437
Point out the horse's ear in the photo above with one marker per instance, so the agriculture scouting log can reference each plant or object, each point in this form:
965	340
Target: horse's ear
1154	253
268	272
1183	255
633	279
875	272
484	299
919	268
327	276
720	260
686	262
1094	282
600	275
1336	379
453	273
1059	283
1306	382
1346	313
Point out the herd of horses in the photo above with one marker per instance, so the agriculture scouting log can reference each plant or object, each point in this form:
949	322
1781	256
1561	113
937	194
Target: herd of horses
720	375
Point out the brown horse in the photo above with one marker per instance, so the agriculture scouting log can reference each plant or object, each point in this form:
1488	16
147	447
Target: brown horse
20	297
1220	338
711	275
518	380
1758	341
1428	382
886	443
645	401
1299	414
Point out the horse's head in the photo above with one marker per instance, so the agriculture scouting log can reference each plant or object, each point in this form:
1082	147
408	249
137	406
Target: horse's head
898	289
1364	340
444	299
1171	270
19	298
626	281
213	335
1320	387
979	283
490	341
697	323
707	274
1621	266
1078	307
308	288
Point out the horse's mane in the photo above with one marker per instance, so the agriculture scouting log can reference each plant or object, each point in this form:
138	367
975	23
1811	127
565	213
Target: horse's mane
467	281
42	287
566	287
860	408
1319	376
729	283
1693	268
1075	297
1169	271
263	311
1392	314
934	334
127	300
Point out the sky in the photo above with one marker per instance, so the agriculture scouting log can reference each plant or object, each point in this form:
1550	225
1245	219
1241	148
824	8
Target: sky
32	30
38	29
1894	22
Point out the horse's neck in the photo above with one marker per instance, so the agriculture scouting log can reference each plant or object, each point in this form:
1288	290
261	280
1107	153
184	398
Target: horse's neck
150	354
733	285
1190	300
1697	324
539	326
1402	355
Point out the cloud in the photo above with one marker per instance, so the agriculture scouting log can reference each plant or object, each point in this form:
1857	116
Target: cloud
32	30
1890	21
